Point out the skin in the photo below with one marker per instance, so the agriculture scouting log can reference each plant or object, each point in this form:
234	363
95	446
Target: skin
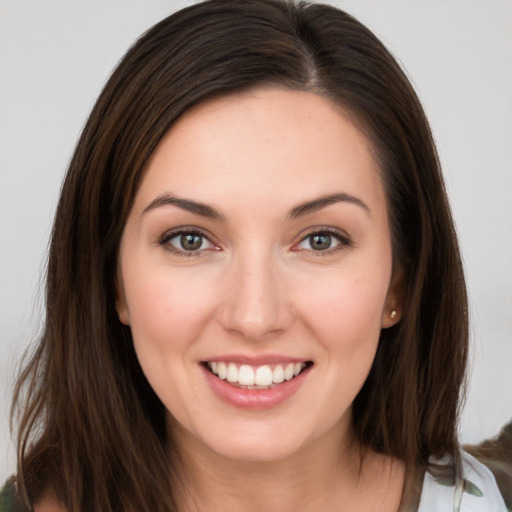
256	286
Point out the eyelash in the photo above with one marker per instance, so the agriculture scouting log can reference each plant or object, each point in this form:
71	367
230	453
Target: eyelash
167	237
342	238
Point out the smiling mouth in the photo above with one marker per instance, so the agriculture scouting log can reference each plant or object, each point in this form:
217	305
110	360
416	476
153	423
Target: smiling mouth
266	376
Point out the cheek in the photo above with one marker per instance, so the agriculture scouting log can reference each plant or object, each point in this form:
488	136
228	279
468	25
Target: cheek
345	319
341	307
169	311
343	311
168	308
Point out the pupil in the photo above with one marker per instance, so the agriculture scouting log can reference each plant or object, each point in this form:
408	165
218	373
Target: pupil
190	242
319	242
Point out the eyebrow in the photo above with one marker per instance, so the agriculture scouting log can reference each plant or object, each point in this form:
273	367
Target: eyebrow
201	209
322	202
205	210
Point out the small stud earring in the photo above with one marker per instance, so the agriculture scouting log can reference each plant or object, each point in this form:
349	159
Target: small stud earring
120	316
393	314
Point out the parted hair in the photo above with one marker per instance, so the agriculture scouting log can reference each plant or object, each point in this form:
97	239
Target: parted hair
91	429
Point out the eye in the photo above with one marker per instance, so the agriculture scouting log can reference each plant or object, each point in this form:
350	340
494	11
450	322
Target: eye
324	241
186	242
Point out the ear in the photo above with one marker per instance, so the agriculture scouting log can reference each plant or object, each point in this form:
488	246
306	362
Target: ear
121	306
393	307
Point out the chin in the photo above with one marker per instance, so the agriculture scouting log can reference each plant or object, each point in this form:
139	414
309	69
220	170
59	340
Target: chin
247	441
257	451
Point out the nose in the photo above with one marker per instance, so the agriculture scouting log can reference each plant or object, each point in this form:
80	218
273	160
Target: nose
255	303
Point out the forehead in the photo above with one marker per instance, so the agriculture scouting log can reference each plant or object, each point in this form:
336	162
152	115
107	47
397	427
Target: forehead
263	143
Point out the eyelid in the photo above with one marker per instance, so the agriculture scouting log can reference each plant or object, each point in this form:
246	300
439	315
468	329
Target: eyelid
185	230
341	236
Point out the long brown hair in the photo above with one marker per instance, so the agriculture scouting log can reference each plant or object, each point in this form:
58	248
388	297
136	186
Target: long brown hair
91	428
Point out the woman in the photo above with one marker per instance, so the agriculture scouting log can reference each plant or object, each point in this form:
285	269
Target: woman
255	299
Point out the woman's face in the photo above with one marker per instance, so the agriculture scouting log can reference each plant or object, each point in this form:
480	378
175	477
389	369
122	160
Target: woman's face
255	273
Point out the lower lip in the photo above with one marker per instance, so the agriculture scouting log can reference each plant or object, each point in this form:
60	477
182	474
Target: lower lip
255	398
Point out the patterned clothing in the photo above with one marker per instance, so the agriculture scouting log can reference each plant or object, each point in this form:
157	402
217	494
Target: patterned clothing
475	492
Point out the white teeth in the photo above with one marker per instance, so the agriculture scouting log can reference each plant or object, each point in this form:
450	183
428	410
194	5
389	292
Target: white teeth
246	375
278	374
232	373
263	376
288	371
223	371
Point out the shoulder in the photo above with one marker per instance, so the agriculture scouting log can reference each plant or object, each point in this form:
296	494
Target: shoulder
496	454
10	501
475	491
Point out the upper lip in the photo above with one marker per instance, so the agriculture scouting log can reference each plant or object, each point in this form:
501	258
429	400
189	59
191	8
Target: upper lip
258	360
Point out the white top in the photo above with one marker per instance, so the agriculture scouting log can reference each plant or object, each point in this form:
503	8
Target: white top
475	492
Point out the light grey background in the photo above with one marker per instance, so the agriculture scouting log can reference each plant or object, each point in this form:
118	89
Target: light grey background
55	56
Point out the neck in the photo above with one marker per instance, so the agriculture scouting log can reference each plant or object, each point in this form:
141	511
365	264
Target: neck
328	474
